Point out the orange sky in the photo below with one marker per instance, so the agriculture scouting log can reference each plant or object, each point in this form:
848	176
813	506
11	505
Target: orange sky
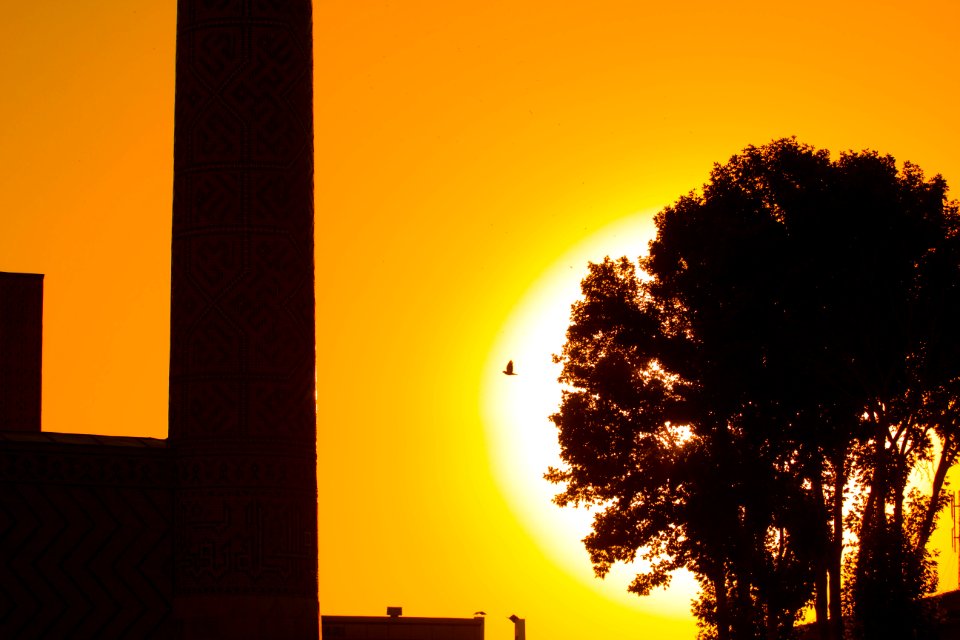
464	150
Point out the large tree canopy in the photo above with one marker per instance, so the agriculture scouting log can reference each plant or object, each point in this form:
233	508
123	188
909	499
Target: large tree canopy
763	388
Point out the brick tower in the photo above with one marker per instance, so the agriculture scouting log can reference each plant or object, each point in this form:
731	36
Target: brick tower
211	533
242	355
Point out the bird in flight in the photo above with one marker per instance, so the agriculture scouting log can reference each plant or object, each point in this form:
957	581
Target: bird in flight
509	370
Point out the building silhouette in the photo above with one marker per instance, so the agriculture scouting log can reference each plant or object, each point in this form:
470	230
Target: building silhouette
21	348
395	627
211	533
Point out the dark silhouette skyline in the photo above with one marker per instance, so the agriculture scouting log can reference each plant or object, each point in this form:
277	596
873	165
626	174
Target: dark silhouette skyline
213	532
460	151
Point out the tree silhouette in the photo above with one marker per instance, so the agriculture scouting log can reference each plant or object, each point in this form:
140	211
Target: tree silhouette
767	386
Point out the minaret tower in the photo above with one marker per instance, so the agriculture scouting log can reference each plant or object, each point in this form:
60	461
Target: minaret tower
242	355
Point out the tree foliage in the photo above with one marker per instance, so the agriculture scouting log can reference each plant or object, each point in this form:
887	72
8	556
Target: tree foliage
764	387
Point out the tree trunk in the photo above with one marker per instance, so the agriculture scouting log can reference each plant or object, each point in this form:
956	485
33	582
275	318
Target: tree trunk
820	604
742	625
723	610
822	554
947	457
835	560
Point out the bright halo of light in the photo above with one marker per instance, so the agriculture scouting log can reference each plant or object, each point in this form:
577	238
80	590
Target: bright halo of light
522	439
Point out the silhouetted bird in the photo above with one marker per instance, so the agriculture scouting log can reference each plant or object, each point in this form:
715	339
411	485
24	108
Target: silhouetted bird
509	370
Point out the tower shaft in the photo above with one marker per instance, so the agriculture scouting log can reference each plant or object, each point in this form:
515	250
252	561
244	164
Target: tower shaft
242	355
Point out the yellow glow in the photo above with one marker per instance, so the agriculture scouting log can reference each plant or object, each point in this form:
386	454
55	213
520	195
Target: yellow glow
523	441
462	149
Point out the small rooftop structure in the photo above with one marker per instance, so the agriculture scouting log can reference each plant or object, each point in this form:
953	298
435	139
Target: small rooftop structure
396	627
21	346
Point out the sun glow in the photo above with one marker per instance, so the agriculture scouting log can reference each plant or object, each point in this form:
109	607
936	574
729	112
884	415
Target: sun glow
523	441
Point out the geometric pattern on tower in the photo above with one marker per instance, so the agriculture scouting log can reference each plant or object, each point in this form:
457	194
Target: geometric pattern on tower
242	362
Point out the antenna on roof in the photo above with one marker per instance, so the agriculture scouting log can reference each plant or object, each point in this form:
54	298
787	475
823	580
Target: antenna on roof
519	627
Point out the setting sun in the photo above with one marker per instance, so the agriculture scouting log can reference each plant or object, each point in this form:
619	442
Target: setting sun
471	158
523	441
